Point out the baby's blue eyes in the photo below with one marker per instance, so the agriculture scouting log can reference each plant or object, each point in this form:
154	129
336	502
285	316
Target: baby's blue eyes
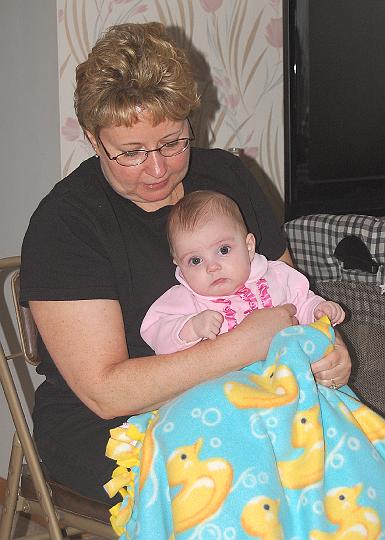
195	261
224	250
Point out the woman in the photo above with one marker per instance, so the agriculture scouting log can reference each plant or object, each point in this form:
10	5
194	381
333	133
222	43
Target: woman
95	257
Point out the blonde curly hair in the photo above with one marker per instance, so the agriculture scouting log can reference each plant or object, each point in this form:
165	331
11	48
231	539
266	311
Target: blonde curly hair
133	68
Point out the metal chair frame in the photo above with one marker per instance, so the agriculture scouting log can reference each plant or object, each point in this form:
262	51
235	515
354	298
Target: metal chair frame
60	521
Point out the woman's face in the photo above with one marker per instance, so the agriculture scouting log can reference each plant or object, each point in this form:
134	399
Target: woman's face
157	181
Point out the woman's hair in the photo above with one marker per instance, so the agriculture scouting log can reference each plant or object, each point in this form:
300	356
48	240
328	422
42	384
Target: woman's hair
133	68
199	207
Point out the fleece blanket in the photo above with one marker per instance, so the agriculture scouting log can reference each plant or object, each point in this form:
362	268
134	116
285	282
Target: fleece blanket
263	452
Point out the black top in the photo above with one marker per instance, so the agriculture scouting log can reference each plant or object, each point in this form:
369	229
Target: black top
85	241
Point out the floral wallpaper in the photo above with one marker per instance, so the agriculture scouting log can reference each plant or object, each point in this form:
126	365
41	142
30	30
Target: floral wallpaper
236	50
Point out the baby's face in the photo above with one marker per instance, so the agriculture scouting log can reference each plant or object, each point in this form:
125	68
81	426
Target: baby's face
215	257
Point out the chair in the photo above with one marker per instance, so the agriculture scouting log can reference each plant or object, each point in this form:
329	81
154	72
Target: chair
28	488
343	256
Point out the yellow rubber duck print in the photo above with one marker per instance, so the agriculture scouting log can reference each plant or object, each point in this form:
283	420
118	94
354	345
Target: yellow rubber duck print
368	421
260	518
354	521
205	485
275	387
308	468
323	325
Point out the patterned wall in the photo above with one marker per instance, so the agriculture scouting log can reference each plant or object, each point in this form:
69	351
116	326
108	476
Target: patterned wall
236	48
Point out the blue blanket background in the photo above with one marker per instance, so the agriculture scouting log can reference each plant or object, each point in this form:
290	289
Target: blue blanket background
263	452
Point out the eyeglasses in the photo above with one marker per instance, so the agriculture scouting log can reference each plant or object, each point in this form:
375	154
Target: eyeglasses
136	157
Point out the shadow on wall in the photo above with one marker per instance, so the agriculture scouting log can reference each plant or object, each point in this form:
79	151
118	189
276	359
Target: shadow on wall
203	117
267	186
11	338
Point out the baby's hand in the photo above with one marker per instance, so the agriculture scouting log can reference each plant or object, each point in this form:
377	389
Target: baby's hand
333	310
204	325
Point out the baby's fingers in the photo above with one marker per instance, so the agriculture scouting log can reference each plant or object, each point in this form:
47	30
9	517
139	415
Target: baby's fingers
338	316
215	326
218	317
216	320
341	315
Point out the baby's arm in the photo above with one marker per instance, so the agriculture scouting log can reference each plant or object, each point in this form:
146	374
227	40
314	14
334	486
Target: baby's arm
333	310
166	317
309	306
206	324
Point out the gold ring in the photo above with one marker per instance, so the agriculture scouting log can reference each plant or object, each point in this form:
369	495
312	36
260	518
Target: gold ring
333	385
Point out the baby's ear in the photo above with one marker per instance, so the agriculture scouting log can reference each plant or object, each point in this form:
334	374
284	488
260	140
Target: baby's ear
250	244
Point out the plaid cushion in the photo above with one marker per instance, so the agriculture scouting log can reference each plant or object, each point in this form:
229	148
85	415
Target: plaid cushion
313	239
363	332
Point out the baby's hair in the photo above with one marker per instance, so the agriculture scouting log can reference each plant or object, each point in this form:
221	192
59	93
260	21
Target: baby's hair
197	208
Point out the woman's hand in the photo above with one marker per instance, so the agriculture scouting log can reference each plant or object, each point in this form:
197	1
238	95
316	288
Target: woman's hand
333	370
255	332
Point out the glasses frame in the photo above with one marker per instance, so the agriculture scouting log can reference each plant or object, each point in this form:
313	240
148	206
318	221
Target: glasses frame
146	152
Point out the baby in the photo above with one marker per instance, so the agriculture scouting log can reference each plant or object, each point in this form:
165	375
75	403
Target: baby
222	278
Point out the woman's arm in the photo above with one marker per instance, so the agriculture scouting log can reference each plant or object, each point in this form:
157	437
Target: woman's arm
86	340
286	258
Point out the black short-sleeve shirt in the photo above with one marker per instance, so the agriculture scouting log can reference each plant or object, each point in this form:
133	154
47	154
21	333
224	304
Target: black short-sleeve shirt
85	241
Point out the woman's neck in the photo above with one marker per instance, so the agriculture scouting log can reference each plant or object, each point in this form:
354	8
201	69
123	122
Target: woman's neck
172	199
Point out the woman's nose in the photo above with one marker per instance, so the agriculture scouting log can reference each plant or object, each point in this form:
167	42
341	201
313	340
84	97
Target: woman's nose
156	164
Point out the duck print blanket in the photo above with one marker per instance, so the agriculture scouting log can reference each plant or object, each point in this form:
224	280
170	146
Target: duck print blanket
263	452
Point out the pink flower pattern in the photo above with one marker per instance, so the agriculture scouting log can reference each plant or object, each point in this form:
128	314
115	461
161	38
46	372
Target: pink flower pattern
275	4
274	34
251	151
211	5
230	97
71	129
140	9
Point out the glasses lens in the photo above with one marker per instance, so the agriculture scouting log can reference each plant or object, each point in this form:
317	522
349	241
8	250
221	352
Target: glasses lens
174	147
136	157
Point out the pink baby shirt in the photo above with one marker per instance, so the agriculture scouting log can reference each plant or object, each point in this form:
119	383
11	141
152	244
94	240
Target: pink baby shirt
270	283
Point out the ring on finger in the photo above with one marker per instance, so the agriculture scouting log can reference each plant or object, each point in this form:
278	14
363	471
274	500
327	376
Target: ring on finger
333	384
